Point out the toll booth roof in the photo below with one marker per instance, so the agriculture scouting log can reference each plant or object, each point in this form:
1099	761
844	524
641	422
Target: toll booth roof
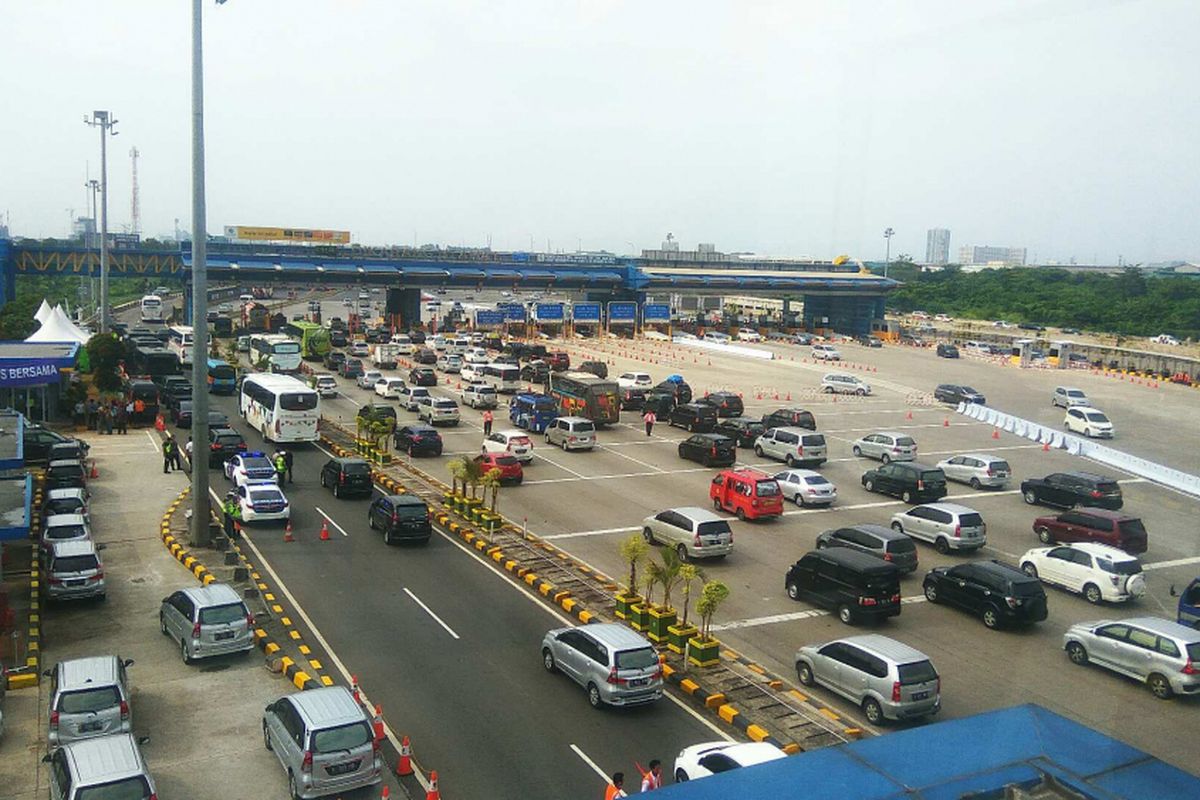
64	350
15	498
976	756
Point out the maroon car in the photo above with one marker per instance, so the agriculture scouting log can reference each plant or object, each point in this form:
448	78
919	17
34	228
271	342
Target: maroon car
510	468
1093	525
558	361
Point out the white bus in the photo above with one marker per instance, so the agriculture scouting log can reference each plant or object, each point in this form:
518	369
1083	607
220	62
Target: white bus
501	377
280	407
152	308
180	343
282	352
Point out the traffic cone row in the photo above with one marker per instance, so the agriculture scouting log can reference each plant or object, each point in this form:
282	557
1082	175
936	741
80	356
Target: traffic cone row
433	793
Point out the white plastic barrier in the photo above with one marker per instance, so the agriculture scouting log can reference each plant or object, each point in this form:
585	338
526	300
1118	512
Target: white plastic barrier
730	349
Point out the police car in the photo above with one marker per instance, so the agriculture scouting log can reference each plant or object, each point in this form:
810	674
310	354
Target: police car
263	502
246	468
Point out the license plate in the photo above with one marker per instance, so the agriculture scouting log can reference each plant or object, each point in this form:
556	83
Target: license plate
342	769
639	682
223	636
88	727
920	695
79	582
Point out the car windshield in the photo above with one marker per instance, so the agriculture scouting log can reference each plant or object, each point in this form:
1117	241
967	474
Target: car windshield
265	495
306	401
999	466
134	788
584	427
518	440
917	672
1075	393
66	469
75	563
713	528
356	468
229	439
814	440
65	505
86	700
904	545
222	615
66	532
815	480
344	737
257	463
766	488
636	659
414	511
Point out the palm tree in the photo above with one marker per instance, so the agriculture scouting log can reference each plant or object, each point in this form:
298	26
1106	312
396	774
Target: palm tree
491	480
688	574
633	551
712	596
456	468
472	474
669	574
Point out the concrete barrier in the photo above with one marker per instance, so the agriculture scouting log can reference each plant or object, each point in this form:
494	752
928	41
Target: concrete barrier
728	349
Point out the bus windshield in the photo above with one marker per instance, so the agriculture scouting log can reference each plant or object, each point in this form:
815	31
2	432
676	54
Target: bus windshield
298	402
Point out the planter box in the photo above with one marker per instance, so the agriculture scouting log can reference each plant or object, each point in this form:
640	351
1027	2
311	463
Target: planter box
492	522
678	635
639	616
624	602
448	499
660	618
704	652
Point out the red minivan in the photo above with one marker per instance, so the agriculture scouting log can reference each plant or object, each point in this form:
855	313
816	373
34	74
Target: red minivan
1093	525
746	492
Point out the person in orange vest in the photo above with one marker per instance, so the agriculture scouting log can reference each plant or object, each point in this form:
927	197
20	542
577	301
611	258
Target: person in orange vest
615	789
487	422
652	779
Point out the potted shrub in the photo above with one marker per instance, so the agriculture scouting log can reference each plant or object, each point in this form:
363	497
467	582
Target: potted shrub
633	551
457	472
703	649
661	617
639	613
679	633
472	475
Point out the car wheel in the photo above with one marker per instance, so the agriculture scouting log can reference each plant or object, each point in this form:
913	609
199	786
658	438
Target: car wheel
323	484
885	458
564	445
906	496
162	625
873	711
648	535
856	450
846	614
1029	569
1077	653
991	618
681	551
548	660
293	792
717	504
267	738
790	460
1043	534
975	483
1091	593
706	461
931	592
680	776
594	698
370	521
183	652
691	428
828	390
741	514
861	392
1030	497
793	591
337	492
1160	686
941	545
758	451
798	498
869	485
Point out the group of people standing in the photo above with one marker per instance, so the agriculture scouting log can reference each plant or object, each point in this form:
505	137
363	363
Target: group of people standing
652	778
103	416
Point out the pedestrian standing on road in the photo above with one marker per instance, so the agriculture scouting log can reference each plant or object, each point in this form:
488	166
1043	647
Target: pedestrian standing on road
653	778
237	518
104	419
487	422
287	461
122	419
280	467
616	788
227	506
80	414
187	449
649	419
92	409
168	450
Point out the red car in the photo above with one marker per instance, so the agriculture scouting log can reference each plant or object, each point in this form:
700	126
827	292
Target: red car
747	492
510	468
558	361
1093	525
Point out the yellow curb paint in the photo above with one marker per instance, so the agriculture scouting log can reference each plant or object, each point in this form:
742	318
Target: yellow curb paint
825	712
853	733
270	648
278	609
756	732
585	616
775	684
286	662
689	685
286	621
299	679
801	697
209	579
714	700
312	662
756	668
791	748
729	653
530	577
304	650
270	598
727	712
294	634
326	680
569	603
23	680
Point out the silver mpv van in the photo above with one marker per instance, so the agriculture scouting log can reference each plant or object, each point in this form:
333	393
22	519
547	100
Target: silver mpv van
207	621
106	766
572	433
793	446
947	526
1159	652
886	678
88	697
615	665
324	741
74	571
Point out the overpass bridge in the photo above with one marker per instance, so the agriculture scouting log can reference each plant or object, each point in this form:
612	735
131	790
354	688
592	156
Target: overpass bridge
839	295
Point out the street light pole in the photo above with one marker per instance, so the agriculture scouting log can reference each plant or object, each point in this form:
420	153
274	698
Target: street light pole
888	233
103	120
94	185
199	459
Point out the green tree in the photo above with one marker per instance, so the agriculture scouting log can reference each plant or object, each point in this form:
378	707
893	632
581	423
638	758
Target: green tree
712	596
491	480
457	469
105	352
689	574
472	474
633	552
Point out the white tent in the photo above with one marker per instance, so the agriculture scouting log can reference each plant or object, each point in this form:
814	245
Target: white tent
56	327
43	311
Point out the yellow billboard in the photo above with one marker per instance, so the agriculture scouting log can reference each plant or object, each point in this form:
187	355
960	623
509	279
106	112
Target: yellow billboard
251	234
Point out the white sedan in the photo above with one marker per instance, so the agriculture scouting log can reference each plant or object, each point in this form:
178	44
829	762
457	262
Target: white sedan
1099	572
1091	422
476	355
360	350
806	487
510	442
263	502
369	378
245	468
325	384
745	335
634	380
710	758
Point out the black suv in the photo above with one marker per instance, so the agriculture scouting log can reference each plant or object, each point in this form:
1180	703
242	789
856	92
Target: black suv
694	417
908	480
401	517
633	399
418	440
224	444
347	476
946	350
999	593
874	540
727	404
743	430
423	376
535	372
790	418
1069	489
351	368
661	403
710	449
337	338
335	358
678	389
597	368
855	585
957	393
37	441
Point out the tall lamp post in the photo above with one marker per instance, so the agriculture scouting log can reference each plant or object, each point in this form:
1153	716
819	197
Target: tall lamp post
888	233
104	121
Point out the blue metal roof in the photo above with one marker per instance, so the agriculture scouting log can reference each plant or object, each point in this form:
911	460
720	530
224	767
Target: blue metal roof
949	760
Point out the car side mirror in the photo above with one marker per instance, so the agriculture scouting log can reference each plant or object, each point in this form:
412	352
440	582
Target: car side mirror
143	740
46	758
166	600
48	673
128	662
1172	591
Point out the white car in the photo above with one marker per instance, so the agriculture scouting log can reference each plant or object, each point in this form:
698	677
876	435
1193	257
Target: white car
390	388
254	467
1068	396
439	411
325	384
438	343
683	337
1091	422
943	317
886	446
837	383
1163	338
635	380
359	350
1097	571
749	336
476	355
710	758
368	379
825	352
977	469
479	395
410	397
471	372
806	487
263	502
450	362
511	442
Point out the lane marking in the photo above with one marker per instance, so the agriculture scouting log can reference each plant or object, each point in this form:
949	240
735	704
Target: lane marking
590	763
609	449
773	619
153	442
429	611
551	461
331	521
882	503
1177	562
601	532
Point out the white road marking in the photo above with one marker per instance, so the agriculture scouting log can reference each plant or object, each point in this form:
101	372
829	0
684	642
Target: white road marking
882	503
609	449
590	763
601	532
429	611
153	441
1177	562
773	619
579	475
331	521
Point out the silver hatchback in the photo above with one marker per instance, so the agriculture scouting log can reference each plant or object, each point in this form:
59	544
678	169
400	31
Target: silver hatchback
207	621
886	446
615	665
886	678
88	697
693	532
977	470
572	433
1158	652
947	526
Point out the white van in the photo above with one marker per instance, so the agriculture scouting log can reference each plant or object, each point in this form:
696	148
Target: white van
402	341
717	336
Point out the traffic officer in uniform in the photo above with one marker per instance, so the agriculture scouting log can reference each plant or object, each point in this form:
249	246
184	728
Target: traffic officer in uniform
280	467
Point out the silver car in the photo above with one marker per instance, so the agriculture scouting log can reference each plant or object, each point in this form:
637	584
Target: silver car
886	678
947	526
105	766
410	397
572	433
1158	652
207	621
615	665
977	470
88	697
1067	396
74	571
693	532
806	487
479	395
368	379
792	446
323	740
839	383
439	411
886	446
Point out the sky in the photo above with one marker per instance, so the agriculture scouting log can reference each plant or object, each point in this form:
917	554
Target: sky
1068	127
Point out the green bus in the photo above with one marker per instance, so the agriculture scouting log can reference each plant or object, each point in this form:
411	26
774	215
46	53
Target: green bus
313	338
582	394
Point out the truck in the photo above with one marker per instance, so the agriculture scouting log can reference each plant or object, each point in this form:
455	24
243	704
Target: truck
384	356
313	338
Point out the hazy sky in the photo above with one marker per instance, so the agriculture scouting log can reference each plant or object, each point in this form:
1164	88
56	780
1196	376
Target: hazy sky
1069	127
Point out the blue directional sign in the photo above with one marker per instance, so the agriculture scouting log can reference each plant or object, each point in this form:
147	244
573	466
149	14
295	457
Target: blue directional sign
548	312
513	312
586	312
483	317
622	312
656	312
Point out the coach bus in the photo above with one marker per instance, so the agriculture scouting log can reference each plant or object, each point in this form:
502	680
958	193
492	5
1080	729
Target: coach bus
313	338
180	343
501	377
280	407
152	308
222	377
152	361
282	354
582	394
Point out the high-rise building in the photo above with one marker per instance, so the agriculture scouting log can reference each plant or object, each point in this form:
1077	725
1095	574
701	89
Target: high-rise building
937	246
986	254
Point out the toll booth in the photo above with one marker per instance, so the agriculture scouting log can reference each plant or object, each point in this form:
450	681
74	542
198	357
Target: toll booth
1022	352
1060	354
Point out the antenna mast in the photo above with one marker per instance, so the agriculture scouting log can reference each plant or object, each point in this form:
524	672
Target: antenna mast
137	211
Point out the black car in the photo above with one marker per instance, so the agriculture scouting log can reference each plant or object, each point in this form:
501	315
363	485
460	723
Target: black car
401	517
224	444
694	417
1068	489
875	541
790	418
507	359
853	584
945	350
727	404
416	336
351	368
388	412
347	476
334	359
597	368
999	593
418	440
710	449
66	451
1030	326
67	474
743	430
424	355
680	389
632	399
147	392
661	403
535	372
957	393
37	441
337	338
174	394
182	416
423	376
908	480
377	335
166	382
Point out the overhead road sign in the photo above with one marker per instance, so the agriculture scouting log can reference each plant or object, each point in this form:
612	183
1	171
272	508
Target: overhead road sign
548	312
622	312
586	312
248	233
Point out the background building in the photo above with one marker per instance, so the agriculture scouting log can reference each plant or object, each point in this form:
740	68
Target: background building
937	246
986	254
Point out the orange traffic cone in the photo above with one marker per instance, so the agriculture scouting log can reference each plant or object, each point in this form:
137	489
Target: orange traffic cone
287	532
95	473
433	793
995	433
1045	447
354	688
908	415
946	422
404	766
386	793
325	531
377	723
